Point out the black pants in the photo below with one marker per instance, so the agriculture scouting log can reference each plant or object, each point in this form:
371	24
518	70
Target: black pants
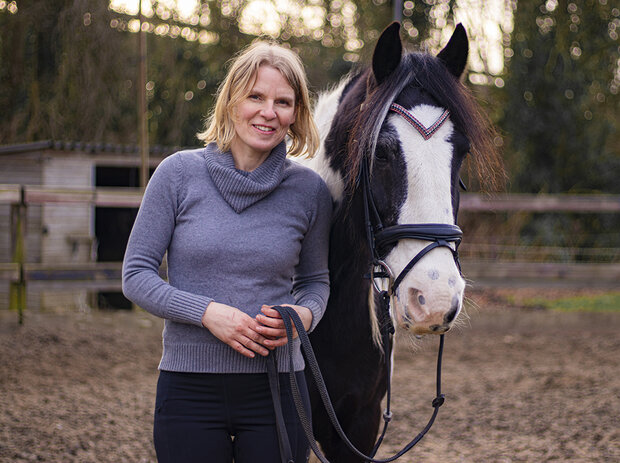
215	418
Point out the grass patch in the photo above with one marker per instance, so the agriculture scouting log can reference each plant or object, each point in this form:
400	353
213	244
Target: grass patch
609	302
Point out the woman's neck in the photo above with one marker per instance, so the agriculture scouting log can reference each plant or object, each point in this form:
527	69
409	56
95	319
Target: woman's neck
247	160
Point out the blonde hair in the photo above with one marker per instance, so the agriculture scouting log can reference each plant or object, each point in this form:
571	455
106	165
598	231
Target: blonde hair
237	85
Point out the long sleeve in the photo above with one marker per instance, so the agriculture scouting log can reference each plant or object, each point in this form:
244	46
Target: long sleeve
311	281
148	242
241	239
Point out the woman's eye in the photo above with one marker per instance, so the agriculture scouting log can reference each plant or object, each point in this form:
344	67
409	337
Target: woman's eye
284	102
254	97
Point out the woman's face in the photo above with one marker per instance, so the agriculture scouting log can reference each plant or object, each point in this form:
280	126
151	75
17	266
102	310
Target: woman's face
262	119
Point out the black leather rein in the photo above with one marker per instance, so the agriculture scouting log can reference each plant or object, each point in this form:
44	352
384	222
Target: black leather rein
291	318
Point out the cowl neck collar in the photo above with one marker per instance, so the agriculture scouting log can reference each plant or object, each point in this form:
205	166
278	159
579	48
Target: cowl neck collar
242	189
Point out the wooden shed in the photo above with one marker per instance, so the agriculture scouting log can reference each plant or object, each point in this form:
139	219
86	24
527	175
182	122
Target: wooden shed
68	232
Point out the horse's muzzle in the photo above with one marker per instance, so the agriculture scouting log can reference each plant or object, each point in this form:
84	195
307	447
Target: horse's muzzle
421	316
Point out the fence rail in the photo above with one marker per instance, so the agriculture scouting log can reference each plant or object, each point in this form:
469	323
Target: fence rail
540	203
9	272
532	253
100	196
100	275
107	275
94	276
131	197
537	274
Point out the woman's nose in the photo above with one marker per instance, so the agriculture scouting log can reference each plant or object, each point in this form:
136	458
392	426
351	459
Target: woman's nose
267	111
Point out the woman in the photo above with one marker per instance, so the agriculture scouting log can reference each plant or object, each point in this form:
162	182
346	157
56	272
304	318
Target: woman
245	229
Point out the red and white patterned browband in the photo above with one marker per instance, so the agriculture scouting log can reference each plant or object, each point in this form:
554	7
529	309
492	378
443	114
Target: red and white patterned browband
424	131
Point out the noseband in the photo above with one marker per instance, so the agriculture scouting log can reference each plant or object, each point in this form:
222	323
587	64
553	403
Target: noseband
380	237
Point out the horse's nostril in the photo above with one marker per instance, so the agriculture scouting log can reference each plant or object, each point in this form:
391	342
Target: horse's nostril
451	315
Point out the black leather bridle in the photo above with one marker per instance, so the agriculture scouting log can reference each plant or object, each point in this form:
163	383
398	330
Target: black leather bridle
380	238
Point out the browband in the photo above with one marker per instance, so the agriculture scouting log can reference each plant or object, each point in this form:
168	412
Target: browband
426	132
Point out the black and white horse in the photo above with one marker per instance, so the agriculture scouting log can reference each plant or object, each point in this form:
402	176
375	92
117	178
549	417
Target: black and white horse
414	121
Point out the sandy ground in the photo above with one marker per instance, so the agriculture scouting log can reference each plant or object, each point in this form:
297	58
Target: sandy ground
521	385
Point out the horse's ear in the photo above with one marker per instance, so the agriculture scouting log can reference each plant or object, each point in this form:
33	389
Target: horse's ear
454	54
388	52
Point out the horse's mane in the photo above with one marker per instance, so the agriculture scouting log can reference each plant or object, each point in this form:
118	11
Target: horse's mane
428	72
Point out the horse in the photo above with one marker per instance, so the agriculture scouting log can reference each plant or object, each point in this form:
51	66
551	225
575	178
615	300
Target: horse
411	120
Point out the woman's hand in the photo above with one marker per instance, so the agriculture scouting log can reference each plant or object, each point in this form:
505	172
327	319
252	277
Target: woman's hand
272	326
235	328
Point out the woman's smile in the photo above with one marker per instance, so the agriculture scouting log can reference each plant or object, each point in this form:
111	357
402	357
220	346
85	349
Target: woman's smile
264	128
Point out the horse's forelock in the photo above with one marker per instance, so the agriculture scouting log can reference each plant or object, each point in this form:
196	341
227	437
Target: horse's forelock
372	112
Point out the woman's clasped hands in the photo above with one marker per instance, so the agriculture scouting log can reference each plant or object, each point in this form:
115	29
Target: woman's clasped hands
250	336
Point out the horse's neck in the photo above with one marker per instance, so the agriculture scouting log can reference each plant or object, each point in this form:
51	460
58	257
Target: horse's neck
326	107
349	255
348	267
324	113
349	252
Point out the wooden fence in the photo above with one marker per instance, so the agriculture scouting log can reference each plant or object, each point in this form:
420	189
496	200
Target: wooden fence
540	203
89	275
107	275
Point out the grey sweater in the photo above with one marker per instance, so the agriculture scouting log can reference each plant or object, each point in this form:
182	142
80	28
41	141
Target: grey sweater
238	238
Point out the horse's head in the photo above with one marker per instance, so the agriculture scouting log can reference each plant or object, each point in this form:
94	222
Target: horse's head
405	125
414	147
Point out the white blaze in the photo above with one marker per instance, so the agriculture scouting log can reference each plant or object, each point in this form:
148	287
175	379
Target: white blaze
429	200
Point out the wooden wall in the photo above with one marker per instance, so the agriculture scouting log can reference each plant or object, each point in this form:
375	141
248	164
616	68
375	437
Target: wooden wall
68	229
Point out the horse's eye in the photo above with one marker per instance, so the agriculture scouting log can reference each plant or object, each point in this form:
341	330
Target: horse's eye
381	155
